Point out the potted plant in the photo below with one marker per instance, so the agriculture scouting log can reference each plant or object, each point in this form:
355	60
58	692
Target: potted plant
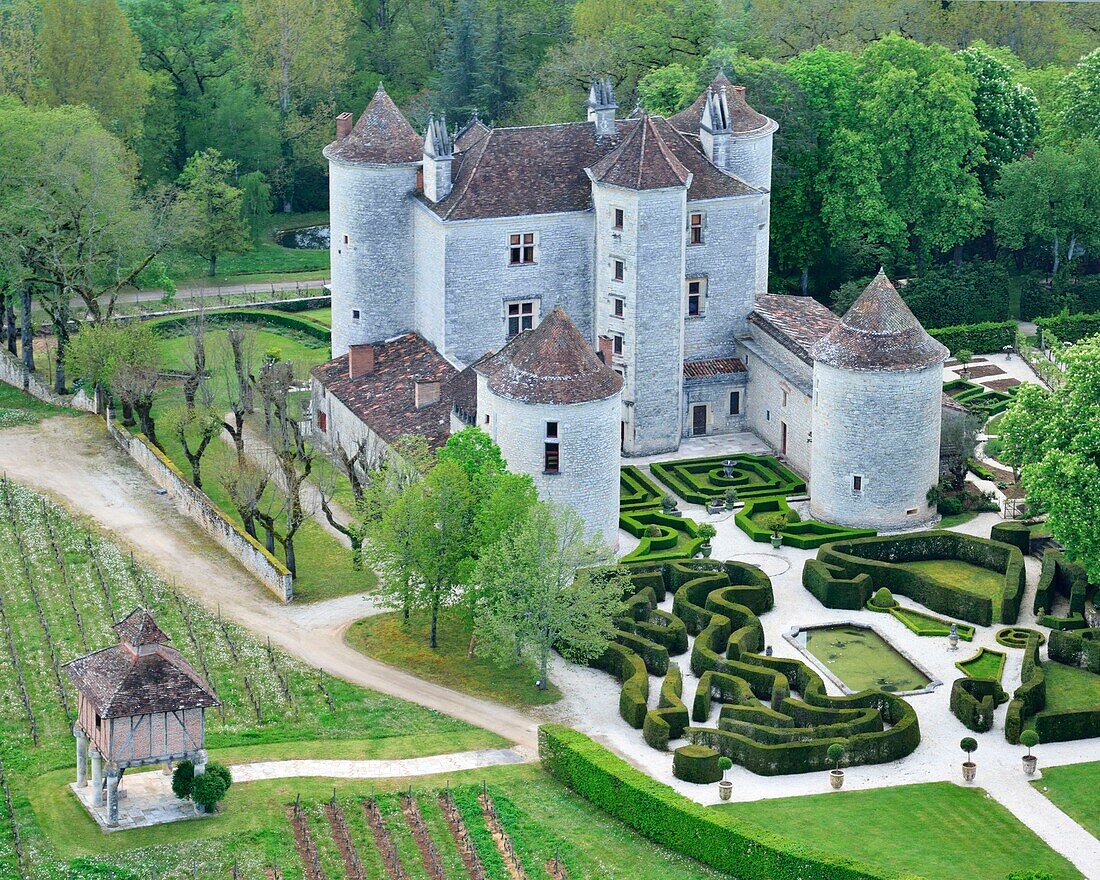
1029	738
776	523
716	505
706	531
835	753
731	498
725	787
668	505
970	769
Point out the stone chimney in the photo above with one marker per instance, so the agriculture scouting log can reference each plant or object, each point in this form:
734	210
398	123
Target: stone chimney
343	126
438	158
360	360
606	349
715	128
602	106
426	392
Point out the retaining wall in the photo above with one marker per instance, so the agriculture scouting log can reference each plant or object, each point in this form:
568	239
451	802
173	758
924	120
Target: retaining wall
195	505
11	372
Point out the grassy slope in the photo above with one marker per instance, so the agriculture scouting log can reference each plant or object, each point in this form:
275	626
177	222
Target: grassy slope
17	408
893	827
384	638
1073	788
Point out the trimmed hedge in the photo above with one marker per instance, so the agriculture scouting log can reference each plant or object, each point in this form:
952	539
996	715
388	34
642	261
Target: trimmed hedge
1080	648
985	338
1061	577
658	813
833	589
804	534
698	764
974	700
1016	637
1030	696
667	545
1028	706
280	320
875	557
637	491
698	480
629	669
1071	328
926	625
1016	534
669	719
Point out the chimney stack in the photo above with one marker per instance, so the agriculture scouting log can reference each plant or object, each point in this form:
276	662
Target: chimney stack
602	106
715	127
426	392
438	156
360	360
343	126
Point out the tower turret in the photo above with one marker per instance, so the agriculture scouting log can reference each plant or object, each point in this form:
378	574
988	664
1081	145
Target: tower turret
602	106
438	158
714	127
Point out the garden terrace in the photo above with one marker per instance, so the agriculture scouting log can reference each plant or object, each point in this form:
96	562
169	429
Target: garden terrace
1059	701
761	724
976	579
698	480
755	517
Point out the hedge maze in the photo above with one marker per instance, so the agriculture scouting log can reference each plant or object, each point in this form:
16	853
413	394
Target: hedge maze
846	573
698	480
754	520
979	399
774	716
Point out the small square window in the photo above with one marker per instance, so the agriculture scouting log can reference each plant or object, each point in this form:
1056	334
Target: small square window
912	511
355	314
521	248
618	305
857	482
616	343
552	458
735	403
345	239
695	229
552	430
620	270
619	217
521	316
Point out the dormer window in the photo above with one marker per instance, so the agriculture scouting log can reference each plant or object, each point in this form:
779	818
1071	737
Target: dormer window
695	229
521	248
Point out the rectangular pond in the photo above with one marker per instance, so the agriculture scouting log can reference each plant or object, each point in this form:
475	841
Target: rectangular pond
857	657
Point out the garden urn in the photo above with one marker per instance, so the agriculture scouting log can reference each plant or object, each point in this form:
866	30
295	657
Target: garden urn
970	770
836	779
727	467
1029	764
725	789
777	541
705	549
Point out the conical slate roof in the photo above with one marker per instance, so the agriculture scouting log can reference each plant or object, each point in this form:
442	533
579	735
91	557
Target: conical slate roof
879	333
139	628
642	161
382	136
550	364
743	120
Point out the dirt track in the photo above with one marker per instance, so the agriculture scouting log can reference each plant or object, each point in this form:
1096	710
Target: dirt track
73	460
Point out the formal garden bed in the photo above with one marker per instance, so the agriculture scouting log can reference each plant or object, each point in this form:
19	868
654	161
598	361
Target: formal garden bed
763	518
1059	699
986	664
978	398
703	480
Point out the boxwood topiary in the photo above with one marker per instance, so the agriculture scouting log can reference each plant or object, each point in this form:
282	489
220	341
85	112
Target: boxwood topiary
698	764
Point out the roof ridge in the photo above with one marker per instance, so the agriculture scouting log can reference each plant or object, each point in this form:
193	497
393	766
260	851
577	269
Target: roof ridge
481	146
682	136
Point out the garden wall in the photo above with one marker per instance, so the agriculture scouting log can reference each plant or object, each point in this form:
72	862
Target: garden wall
196	506
11	372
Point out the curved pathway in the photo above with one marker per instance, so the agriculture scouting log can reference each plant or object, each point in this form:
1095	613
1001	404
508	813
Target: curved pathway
97	480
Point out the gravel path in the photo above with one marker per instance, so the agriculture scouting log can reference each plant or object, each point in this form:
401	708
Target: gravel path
429	766
74	461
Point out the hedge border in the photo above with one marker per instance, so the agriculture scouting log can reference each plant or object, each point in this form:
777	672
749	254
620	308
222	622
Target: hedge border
677	475
808	534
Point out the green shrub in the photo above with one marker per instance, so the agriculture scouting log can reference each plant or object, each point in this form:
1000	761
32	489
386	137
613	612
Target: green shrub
974	700
172	325
1030	739
637	491
759	517
832	588
1080	648
698	764
1071	328
660	814
1015	533
677	536
835	753
183	779
1061	577
211	787
700	480
969	745
985	337
949	506
883	598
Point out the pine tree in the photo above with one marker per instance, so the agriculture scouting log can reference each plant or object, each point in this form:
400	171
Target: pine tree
459	70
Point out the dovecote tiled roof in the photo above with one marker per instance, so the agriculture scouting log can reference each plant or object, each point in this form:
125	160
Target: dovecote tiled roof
385	398
742	118
550	364
139	676
796	322
712	367
382	136
642	161
879	332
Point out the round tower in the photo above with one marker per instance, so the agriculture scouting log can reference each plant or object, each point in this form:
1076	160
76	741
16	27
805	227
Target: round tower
750	145
553	408
373	170
877	391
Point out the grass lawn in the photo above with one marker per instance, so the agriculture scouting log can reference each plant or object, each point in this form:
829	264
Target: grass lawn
541	817
384	638
956	519
1073	789
961	576
320	316
935	830
17	408
985	664
303	351
1070	688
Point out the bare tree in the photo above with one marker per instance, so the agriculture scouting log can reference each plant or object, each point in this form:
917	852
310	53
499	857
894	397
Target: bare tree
245	482
239	386
196	374
195	427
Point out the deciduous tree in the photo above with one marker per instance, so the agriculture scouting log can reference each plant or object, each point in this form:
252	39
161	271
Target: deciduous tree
212	208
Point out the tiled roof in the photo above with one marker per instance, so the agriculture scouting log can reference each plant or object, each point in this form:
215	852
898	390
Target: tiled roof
948	402
139	628
641	161
122	680
712	367
742	118
797	322
550	364
464	388
879	332
381	136
385	398
515	172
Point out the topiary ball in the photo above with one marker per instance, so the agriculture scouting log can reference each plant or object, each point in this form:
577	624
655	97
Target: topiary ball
883	598
653	531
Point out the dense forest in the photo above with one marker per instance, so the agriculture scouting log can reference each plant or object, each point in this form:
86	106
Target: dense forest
931	137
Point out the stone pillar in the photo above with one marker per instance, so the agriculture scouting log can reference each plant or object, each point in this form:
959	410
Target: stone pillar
113	776
97	778
167	768
81	757
200	762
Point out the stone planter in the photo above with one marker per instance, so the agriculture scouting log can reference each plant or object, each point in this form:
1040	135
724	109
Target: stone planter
716	507
705	549
836	779
1029	764
970	770
777	541
725	789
